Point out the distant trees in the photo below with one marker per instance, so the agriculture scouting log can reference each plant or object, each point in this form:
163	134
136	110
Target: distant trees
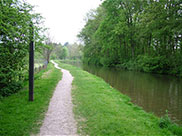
74	51
135	34
60	52
15	33
68	51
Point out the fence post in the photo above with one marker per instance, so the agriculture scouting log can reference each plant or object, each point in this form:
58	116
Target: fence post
31	64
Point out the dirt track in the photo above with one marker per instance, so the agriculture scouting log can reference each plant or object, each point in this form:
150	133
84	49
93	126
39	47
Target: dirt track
59	119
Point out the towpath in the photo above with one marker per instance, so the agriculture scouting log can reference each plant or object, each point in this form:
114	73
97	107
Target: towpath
59	119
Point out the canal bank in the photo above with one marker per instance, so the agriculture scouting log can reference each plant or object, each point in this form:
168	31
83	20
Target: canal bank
155	93
102	110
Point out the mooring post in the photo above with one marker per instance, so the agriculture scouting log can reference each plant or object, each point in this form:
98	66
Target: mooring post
31	64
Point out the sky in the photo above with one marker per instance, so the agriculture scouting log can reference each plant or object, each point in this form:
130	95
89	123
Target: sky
64	18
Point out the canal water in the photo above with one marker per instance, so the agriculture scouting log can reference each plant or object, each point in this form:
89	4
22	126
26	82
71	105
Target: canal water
153	92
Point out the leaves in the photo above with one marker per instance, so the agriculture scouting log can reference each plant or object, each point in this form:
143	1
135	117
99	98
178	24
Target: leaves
121	30
15	32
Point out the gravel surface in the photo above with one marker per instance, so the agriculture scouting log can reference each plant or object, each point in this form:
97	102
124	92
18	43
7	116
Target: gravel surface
59	119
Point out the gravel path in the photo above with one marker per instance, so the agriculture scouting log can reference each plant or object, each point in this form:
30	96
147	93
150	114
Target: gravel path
59	119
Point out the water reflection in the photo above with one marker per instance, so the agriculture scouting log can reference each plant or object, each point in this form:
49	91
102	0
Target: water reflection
155	93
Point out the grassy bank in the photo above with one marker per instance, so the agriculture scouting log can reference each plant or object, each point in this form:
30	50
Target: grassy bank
102	110
20	117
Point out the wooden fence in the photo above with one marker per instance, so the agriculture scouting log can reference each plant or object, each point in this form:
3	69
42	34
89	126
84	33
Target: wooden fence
38	69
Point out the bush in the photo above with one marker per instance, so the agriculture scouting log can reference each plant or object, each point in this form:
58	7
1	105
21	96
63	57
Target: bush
176	65
92	60
166	123
157	64
110	61
11	89
15	33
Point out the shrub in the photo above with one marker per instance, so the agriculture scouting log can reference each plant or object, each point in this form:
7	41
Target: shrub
15	32
157	64
166	123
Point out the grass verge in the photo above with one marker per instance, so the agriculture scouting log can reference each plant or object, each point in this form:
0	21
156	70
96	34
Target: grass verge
18	116
101	110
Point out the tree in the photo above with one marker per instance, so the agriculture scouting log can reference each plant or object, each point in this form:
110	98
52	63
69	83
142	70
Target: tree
59	52
47	48
135	34
92	48
15	20
74	51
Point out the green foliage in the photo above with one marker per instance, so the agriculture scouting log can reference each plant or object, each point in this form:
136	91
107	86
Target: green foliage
150	64
166	123
64	52
74	51
11	89
15	35
130	65
38	58
68	51
18	116
145	33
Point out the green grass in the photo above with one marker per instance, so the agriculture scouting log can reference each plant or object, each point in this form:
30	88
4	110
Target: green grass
101	110
18	116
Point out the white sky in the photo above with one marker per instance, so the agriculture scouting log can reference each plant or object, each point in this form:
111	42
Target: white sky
65	18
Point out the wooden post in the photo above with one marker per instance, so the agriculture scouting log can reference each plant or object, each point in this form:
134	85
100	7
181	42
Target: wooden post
31	64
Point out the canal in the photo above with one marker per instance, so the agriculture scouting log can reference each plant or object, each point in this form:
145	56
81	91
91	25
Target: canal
153	92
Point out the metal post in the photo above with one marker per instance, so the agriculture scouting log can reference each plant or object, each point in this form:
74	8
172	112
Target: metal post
31	64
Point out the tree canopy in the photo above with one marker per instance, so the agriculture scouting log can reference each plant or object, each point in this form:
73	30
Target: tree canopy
145	35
